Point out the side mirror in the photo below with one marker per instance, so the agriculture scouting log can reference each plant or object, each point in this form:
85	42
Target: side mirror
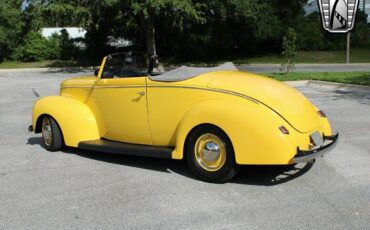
96	71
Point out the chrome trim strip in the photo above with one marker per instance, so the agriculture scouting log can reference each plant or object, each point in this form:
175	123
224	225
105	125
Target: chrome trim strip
210	89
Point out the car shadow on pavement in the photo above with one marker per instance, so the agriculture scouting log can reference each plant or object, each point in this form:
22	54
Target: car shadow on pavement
261	175
269	175
34	141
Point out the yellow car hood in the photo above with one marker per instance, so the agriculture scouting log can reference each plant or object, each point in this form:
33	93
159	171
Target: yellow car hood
79	81
280	97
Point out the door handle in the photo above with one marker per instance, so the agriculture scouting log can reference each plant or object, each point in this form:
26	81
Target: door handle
142	93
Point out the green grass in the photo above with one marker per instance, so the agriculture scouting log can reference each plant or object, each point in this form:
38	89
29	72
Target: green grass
356	56
358	78
48	64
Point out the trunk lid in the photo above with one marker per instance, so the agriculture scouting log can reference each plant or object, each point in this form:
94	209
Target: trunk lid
282	98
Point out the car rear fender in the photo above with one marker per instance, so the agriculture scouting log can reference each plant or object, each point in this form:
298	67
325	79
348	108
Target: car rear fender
252	128
75	119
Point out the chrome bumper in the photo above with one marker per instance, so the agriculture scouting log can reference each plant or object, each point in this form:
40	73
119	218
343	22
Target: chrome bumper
304	156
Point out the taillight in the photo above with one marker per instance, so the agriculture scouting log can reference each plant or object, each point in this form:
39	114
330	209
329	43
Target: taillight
284	130
321	113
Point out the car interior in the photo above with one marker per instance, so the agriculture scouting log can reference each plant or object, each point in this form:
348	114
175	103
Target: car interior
125	65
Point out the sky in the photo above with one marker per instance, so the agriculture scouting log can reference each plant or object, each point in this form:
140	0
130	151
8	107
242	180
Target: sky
24	5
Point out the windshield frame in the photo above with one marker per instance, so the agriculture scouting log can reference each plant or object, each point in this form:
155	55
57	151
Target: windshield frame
144	73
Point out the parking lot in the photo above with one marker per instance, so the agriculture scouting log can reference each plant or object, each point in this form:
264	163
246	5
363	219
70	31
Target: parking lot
76	189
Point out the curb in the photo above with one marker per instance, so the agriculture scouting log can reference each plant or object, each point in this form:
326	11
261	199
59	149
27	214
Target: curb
336	85
327	84
307	65
297	83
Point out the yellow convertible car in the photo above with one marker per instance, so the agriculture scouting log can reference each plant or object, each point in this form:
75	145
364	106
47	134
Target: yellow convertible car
216	118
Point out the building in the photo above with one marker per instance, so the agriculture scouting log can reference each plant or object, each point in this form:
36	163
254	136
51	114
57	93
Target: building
73	32
311	6
80	33
364	5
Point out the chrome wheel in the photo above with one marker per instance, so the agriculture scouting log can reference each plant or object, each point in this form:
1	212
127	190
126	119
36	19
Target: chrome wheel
46	131
210	152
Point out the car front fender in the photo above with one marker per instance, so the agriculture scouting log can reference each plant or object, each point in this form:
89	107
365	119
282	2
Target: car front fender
74	118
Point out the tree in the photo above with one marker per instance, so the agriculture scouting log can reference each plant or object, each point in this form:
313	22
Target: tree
360	37
58	13
10	26
289	12
175	28
228	27
289	50
67	47
147	11
104	20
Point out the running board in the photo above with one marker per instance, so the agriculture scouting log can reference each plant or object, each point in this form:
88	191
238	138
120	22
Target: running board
102	145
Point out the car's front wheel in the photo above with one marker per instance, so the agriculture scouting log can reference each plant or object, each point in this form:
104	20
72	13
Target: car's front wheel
210	155
51	134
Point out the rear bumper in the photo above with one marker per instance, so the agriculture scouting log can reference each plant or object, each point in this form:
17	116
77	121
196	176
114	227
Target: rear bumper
329	143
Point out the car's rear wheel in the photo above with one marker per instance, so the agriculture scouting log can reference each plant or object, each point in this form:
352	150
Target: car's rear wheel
210	155
51	134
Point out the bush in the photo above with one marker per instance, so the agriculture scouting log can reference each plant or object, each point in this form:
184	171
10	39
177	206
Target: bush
360	37
311	35
38	48
67	47
289	50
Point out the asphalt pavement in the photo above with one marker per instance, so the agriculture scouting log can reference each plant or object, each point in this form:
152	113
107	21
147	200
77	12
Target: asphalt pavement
75	189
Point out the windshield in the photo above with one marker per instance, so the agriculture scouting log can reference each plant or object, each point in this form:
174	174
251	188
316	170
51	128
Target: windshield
125	65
